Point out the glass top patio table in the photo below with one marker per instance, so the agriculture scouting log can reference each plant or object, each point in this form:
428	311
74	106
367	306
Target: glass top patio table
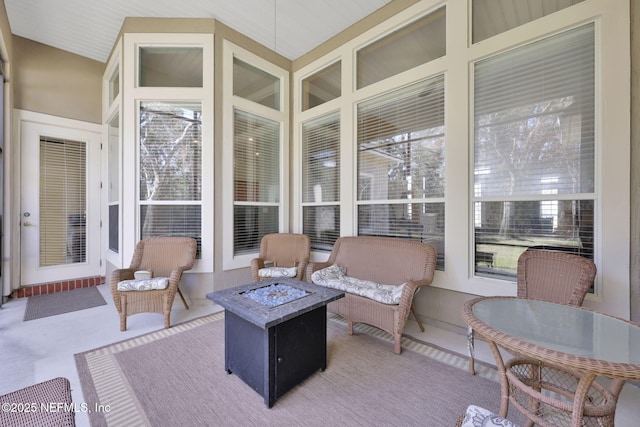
555	333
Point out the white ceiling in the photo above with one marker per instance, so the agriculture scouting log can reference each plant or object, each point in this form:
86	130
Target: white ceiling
89	27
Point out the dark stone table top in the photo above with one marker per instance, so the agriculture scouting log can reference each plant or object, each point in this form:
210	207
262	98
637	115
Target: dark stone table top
264	316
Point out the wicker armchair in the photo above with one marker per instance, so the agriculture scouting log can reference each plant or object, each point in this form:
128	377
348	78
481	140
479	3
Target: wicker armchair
29	401
551	276
164	257
283	250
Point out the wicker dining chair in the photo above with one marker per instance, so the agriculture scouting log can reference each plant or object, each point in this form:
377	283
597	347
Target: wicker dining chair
164	257
552	276
288	252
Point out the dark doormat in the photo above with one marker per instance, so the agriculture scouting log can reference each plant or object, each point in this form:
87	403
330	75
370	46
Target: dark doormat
62	302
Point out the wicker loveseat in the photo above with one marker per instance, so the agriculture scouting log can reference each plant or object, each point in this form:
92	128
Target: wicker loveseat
394	264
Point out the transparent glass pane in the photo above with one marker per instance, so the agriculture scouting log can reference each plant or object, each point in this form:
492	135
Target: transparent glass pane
321	159
535	118
63	201
322	225
170	151
170	67
256	158
416	44
503	230
171	220
401	144
114	87
491	17
250	224
252	83
417	221
321	87
114	227
114	160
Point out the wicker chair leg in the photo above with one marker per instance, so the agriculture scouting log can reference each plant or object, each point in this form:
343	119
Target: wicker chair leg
167	319
420	325
397	347
186	306
350	327
470	344
123	312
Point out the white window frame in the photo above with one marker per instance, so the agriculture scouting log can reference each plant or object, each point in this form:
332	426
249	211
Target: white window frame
229	104
131	96
109	112
612	137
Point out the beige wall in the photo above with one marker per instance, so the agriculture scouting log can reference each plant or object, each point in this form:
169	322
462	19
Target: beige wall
51	81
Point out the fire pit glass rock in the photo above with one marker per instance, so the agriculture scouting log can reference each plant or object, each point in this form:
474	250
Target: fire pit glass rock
275	295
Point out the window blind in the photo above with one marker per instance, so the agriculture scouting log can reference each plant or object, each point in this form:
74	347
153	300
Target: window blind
256	179
321	180
62	201
401	164
321	159
401	143
534	146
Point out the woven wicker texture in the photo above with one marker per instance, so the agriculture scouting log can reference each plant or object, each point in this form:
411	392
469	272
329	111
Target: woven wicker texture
283	250
546	394
568	378
46	404
164	257
384	260
552	276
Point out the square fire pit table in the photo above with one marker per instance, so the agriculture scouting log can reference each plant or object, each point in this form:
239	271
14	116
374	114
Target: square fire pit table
275	333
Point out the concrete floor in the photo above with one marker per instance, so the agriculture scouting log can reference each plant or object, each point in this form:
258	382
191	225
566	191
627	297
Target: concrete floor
41	349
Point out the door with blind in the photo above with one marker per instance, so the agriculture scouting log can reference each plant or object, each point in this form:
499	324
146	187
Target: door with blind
60	203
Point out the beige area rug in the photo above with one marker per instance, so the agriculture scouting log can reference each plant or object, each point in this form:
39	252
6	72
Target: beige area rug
176	377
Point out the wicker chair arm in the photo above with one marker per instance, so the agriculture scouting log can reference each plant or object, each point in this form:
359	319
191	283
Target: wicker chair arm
119	275
176	274
255	266
315	266
301	268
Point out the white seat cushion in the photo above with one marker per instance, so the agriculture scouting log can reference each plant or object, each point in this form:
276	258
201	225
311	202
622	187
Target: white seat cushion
278	272
480	417
155	283
334	277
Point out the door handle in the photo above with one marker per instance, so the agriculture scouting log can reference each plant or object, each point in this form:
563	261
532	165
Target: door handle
28	224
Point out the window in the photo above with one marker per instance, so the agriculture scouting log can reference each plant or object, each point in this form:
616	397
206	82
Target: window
256	180
321	180
170	169
415	44
170	66
113	190
63	201
255	154
491	18
534	161
531	147
401	147
322	87
252	83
